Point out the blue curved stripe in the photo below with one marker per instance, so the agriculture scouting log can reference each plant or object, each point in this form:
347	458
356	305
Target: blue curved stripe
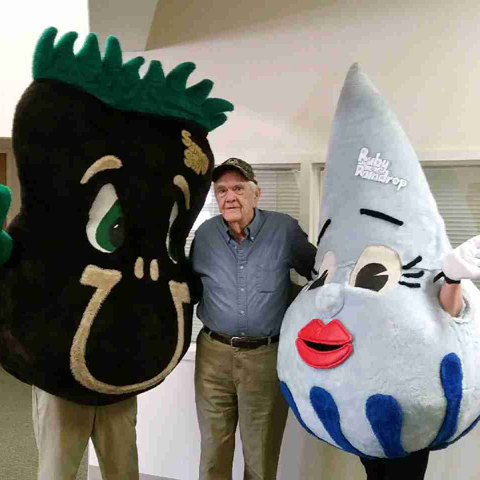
385	416
446	444
451	374
327	411
291	401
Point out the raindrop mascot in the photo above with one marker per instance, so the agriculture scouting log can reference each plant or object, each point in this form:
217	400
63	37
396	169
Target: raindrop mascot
379	353
95	290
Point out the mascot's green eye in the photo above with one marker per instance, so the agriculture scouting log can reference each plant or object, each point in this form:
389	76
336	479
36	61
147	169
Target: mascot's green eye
111	230
106	227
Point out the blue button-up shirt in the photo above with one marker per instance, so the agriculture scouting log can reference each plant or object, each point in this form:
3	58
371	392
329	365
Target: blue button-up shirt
246	284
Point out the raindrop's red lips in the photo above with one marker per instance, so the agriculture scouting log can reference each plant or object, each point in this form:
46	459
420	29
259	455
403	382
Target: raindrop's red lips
324	346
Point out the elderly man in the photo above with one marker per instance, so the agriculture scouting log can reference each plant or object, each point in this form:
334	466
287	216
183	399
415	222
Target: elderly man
243	258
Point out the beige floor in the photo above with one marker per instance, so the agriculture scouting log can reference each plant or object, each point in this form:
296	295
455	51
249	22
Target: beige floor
18	453
94	474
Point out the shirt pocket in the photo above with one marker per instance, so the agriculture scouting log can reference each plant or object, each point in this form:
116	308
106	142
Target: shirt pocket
268	279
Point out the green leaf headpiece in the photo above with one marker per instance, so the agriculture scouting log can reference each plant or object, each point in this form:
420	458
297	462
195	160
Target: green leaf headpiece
120	85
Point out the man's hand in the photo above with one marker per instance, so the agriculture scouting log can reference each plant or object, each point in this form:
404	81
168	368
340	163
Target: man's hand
463	261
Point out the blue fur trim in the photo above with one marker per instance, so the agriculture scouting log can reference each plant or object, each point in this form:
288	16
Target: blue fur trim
451	375
446	444
385	416
327	411
291	401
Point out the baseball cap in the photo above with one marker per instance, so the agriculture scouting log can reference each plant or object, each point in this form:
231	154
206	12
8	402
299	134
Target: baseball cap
235	164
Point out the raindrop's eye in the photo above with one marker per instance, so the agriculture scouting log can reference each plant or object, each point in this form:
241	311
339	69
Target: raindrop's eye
106	225
325	272
378	269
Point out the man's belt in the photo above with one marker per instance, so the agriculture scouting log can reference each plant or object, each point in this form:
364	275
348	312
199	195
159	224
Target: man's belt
241	342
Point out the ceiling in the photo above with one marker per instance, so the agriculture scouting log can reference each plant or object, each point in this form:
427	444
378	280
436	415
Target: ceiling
143	25
130	21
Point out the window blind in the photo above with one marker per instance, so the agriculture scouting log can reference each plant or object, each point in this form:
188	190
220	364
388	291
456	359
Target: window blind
280	193
457	193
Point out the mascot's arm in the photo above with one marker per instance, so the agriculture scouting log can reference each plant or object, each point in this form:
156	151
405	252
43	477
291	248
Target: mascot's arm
6	242
460	263
464	261
451	298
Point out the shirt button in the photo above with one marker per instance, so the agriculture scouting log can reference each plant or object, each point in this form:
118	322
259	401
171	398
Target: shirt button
242	289
253	238
242	311
241	268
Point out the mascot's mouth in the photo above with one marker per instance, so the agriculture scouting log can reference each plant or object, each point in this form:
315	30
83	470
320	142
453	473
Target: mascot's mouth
324	346
104	281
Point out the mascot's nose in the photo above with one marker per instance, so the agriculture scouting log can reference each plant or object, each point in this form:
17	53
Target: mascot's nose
152	269
329	300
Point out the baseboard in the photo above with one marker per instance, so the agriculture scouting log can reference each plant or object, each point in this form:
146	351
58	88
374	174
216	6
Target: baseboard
94	474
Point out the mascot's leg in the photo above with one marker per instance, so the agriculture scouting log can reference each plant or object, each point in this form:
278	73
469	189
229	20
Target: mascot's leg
374	468
115	440
411	467
62	430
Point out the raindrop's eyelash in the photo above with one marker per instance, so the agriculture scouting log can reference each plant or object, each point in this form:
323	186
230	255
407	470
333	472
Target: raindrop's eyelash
409	285
324	228
408	266
414	275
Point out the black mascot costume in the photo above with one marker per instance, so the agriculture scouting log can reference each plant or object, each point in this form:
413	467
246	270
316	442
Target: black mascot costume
95	297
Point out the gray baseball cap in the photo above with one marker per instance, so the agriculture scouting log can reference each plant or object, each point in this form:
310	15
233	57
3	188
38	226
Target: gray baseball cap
235	164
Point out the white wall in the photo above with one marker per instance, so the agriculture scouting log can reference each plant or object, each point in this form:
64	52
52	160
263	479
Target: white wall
23	21
284	71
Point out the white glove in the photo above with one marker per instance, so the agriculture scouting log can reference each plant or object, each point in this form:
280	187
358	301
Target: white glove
463	261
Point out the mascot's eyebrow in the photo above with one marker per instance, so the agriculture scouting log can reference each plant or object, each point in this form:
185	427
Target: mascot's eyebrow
381	216
324	228
105	163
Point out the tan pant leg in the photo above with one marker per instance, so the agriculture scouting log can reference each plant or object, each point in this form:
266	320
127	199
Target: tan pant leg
62	430
262	411
216	400
115	440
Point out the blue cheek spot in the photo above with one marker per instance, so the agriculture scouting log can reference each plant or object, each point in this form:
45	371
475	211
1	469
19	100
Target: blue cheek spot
385	417
451	375
291	401
327	411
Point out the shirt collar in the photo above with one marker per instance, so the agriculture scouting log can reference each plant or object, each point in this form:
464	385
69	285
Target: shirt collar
251	229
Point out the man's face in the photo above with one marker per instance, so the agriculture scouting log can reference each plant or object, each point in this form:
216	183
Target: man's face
236	198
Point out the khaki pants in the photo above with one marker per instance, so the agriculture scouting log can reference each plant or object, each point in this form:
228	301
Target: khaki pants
62	429
238	386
